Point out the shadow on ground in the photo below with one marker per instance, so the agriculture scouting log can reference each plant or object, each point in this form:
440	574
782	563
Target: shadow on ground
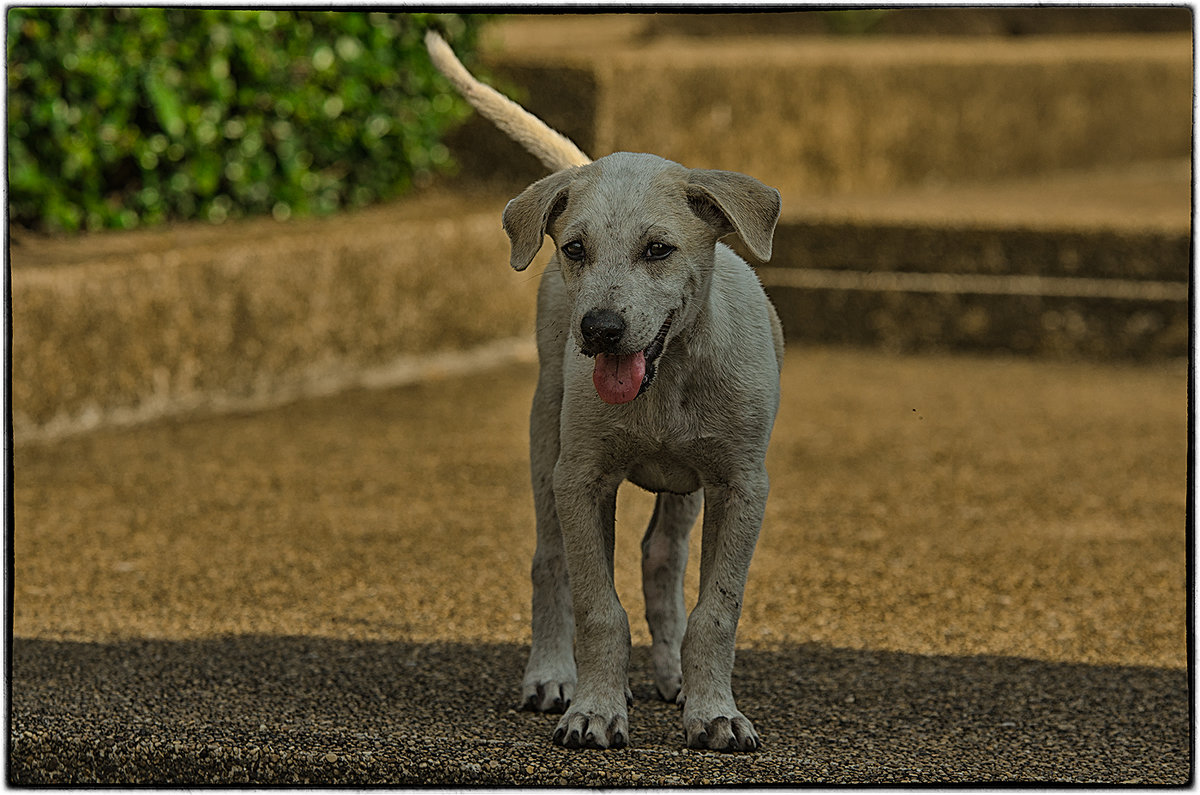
298	710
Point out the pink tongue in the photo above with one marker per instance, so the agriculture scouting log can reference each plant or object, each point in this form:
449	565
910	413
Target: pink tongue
618	379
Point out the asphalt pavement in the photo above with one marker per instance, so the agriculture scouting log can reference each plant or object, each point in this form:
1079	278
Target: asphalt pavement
972	569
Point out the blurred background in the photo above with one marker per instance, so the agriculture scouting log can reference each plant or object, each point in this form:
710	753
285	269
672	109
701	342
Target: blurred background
124	117
973	565
222	207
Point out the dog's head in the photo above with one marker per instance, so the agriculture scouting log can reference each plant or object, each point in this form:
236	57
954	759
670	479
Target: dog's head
634	240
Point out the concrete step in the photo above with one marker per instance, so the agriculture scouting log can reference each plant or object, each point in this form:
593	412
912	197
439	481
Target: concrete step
821	114
121	327
1095	263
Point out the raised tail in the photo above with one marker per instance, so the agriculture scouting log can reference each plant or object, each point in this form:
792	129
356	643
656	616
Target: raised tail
554	149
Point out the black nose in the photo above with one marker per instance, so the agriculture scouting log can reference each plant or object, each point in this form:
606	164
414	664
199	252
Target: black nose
602	331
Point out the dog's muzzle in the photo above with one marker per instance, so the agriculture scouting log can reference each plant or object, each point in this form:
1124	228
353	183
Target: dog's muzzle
618	377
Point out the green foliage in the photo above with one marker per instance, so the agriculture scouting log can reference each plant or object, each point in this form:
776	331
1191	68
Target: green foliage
126	116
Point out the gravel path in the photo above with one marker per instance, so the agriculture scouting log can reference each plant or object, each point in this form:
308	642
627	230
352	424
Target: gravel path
972	569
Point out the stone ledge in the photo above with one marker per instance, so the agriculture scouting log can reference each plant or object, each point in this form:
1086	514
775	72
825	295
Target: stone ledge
830	115
1050	325
118	328
146	324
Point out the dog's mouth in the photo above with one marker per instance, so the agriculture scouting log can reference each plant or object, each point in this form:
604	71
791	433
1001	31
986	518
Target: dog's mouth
619	378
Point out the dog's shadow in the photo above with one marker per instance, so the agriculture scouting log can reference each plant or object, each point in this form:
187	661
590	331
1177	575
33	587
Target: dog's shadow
310	710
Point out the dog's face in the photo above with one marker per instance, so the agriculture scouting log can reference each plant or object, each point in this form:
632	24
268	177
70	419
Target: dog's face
634	236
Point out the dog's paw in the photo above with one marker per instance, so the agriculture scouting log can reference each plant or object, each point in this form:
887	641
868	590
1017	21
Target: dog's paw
668	673
669	685
593	728
729	732
553	696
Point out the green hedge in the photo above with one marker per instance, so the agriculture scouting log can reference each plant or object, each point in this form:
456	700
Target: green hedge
121	117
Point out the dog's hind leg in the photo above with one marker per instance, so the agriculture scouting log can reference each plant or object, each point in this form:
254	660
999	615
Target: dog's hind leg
549	681
664	561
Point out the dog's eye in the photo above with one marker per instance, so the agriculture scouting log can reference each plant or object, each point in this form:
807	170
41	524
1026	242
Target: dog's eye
657	250
573	250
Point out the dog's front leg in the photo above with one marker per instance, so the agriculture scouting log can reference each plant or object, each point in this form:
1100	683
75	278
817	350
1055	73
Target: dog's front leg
598	716
732	518
549	681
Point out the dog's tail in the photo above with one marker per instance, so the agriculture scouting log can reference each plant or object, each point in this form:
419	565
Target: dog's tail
554	149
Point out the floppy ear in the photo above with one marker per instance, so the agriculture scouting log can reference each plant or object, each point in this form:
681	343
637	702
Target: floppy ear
733	202
528	215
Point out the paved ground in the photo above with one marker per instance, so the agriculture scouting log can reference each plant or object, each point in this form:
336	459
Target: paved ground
972	569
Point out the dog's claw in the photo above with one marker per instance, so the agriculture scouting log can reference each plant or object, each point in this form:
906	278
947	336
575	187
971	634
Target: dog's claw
546	697
722	734
744	738
592	730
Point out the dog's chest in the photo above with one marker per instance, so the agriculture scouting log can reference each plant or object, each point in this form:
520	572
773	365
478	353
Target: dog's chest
665	473
673	459
669	447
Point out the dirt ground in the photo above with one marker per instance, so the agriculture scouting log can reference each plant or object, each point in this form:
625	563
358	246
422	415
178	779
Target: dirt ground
971	569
